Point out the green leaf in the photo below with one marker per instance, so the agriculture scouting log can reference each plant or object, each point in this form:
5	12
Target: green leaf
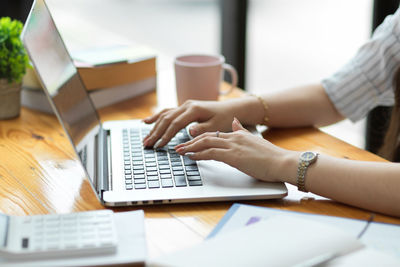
13	57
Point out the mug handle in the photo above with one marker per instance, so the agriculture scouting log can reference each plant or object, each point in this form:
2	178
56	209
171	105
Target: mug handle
234	77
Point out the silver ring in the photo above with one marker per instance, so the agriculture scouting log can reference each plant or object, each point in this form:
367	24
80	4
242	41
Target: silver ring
217	133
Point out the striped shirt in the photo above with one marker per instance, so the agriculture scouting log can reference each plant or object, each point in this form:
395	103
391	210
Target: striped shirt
366	81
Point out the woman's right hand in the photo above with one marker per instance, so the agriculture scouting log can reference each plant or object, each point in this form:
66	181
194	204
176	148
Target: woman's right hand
210	115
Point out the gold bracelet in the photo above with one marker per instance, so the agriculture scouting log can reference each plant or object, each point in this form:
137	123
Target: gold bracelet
265	106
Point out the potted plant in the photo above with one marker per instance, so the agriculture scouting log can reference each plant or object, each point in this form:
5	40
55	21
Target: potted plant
13	64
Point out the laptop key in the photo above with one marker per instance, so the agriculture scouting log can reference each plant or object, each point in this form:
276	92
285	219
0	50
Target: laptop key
151	164
128	181
140	181
180	181
138	171
167	183
138	176
152	173
165	176
165	171
163	167
191	168
128	176
152	178
128	187
176	164
194	178
195	183
151	169
178	173
162	158
153	184
177	168
192	173
140	186
137	167
163	162
188	161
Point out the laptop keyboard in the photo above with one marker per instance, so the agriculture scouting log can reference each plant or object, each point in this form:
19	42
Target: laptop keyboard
157	168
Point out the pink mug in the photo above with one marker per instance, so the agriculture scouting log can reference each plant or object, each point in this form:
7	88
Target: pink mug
199	77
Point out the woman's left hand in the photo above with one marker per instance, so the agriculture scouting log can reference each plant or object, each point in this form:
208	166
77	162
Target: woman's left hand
251	154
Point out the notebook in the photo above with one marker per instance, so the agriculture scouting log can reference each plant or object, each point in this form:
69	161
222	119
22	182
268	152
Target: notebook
120	170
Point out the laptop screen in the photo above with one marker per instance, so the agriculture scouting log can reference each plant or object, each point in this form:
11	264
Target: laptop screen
60	78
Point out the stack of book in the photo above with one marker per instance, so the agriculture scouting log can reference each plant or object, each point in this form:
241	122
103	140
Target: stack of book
110	75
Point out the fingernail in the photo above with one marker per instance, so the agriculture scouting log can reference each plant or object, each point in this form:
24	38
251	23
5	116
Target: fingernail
188	154
192	131
178	146
157	144
180	150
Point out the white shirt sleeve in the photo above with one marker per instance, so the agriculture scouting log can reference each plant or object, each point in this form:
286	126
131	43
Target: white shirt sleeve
366	81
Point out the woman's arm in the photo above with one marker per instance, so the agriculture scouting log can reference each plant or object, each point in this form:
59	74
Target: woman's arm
301	106
370	185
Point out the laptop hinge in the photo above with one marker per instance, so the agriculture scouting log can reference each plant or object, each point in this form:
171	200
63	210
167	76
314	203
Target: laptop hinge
102	161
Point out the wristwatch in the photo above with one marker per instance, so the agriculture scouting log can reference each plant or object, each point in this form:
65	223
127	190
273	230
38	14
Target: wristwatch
306	159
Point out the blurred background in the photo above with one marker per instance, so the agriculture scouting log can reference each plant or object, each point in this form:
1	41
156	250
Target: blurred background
287	42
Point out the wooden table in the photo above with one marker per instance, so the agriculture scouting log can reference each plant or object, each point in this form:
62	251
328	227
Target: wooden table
40	174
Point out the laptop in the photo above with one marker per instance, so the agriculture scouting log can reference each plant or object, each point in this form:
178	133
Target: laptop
119	169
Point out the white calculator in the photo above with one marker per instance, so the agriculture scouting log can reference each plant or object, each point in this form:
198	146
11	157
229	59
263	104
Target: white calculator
58	235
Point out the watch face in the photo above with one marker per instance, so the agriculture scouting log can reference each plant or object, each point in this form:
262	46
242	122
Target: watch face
308	156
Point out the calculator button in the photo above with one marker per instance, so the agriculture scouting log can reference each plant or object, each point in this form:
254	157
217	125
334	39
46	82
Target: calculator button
25	242
140	186
153	184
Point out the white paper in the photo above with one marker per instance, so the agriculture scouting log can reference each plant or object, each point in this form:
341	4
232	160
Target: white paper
366	257
380	236
278	241
244	213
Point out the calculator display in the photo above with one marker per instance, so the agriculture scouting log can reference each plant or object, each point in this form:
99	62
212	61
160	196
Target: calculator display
3	229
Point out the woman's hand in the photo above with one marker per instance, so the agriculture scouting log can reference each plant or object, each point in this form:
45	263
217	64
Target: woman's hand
251	154
210	115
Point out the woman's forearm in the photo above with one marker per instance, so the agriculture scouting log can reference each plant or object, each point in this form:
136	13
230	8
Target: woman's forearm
301	106
369	185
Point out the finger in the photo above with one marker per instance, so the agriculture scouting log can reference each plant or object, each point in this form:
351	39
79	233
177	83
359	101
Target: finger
201	128
218	154
204	135
207	126
161	125
176	125
154	117
204	143
237	126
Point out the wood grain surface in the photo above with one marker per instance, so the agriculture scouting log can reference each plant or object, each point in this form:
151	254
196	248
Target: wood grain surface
40	174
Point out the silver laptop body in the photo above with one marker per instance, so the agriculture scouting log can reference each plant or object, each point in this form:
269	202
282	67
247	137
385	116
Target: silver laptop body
109	151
